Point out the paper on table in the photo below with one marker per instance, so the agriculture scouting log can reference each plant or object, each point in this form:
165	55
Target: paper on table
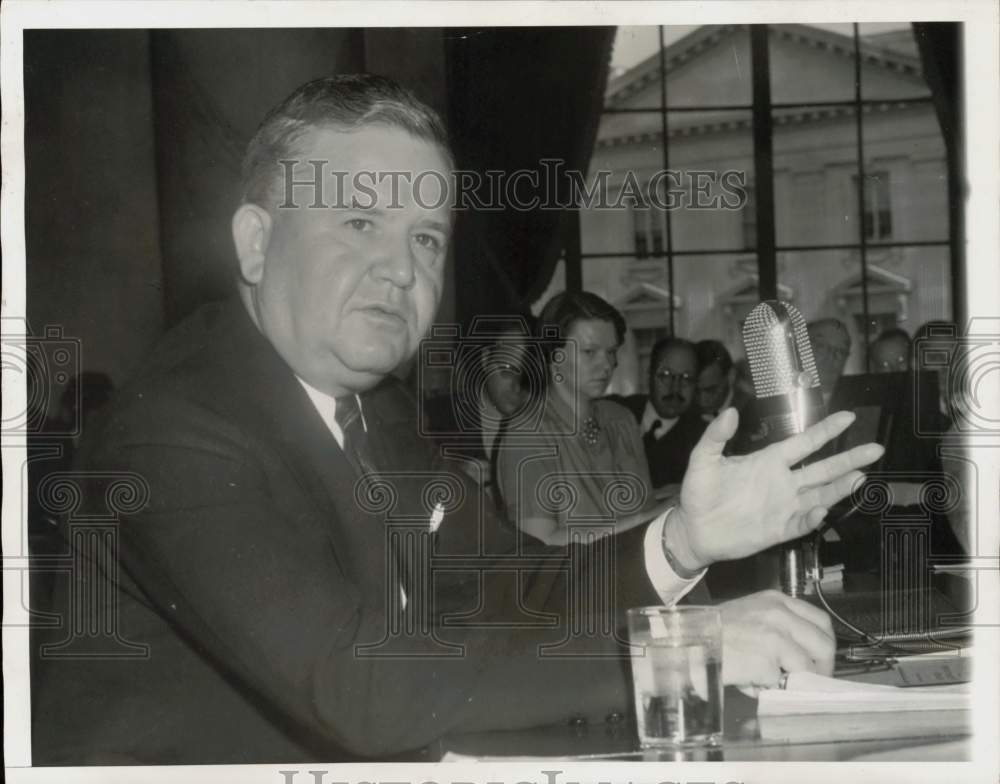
806	692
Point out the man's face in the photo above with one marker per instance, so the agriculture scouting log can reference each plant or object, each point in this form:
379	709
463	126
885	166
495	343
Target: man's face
505	369
674	382
347	291
891	355
831	348
712	388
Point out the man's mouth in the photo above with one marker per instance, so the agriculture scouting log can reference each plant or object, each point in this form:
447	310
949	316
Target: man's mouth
386	313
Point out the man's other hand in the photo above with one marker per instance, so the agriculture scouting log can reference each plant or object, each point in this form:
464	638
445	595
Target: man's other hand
732	507
767	634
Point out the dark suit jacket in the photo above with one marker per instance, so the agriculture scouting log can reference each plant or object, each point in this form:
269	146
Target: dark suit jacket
668	455
254	569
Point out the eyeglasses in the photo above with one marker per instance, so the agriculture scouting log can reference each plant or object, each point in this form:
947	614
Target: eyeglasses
667	376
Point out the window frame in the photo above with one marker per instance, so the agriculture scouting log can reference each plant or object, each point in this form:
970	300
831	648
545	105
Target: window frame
766	248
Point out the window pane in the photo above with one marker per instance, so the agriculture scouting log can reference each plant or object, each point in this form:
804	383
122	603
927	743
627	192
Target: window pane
712	155
716	293
618	174
709	67
706	65
815	170
811	63
616	129
634	76
890	62
904	144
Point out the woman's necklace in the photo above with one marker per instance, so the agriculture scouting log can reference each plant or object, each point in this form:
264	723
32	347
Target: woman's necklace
591	431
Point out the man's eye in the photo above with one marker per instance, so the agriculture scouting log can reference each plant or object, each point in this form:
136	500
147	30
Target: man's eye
360	224
428	241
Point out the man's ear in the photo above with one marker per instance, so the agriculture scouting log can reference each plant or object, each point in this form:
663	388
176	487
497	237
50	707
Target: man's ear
251	235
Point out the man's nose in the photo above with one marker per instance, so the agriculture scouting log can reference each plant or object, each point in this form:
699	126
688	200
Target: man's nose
394	261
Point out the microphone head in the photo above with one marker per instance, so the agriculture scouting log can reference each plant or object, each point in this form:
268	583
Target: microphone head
778	350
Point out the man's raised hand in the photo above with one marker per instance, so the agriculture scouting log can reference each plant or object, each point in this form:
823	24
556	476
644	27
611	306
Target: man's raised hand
732	507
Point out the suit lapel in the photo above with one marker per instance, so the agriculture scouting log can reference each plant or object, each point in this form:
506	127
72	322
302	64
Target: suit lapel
263	390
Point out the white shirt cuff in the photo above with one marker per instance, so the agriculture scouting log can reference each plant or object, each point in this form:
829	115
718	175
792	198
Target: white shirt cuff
666	582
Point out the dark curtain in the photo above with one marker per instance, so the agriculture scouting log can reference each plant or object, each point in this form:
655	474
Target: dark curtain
940	46
518	97
210	90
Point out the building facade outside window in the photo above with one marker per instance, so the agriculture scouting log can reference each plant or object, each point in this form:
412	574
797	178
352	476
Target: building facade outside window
699	119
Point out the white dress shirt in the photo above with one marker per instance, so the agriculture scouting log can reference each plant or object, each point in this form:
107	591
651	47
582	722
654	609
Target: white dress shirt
649	416
670	587
326	405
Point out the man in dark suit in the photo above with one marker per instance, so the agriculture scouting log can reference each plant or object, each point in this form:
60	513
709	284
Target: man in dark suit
716	389
669	420
292	575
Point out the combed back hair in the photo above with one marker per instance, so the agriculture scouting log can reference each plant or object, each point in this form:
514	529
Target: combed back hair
712	352
562	311
662	346
343	102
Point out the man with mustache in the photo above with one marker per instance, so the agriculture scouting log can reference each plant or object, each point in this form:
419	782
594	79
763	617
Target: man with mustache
669	420
300	592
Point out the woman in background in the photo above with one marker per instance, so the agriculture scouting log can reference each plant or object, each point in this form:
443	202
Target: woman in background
579	466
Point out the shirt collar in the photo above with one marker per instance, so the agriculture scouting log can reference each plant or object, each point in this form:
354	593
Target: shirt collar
326	406
650	415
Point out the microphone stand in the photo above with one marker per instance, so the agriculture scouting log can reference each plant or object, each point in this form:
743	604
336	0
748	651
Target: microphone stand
799	566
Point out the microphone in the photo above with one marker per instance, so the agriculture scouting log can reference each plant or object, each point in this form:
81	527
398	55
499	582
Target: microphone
788	400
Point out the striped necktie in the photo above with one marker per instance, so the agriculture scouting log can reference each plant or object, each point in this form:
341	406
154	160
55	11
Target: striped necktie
356	449
348	416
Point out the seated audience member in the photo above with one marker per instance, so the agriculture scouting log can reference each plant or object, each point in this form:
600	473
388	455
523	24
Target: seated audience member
831	344
263	608
494	382
890	353
716	388
583	446
668	418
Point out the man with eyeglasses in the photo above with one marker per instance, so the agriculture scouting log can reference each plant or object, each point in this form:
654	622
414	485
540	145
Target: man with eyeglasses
669	420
